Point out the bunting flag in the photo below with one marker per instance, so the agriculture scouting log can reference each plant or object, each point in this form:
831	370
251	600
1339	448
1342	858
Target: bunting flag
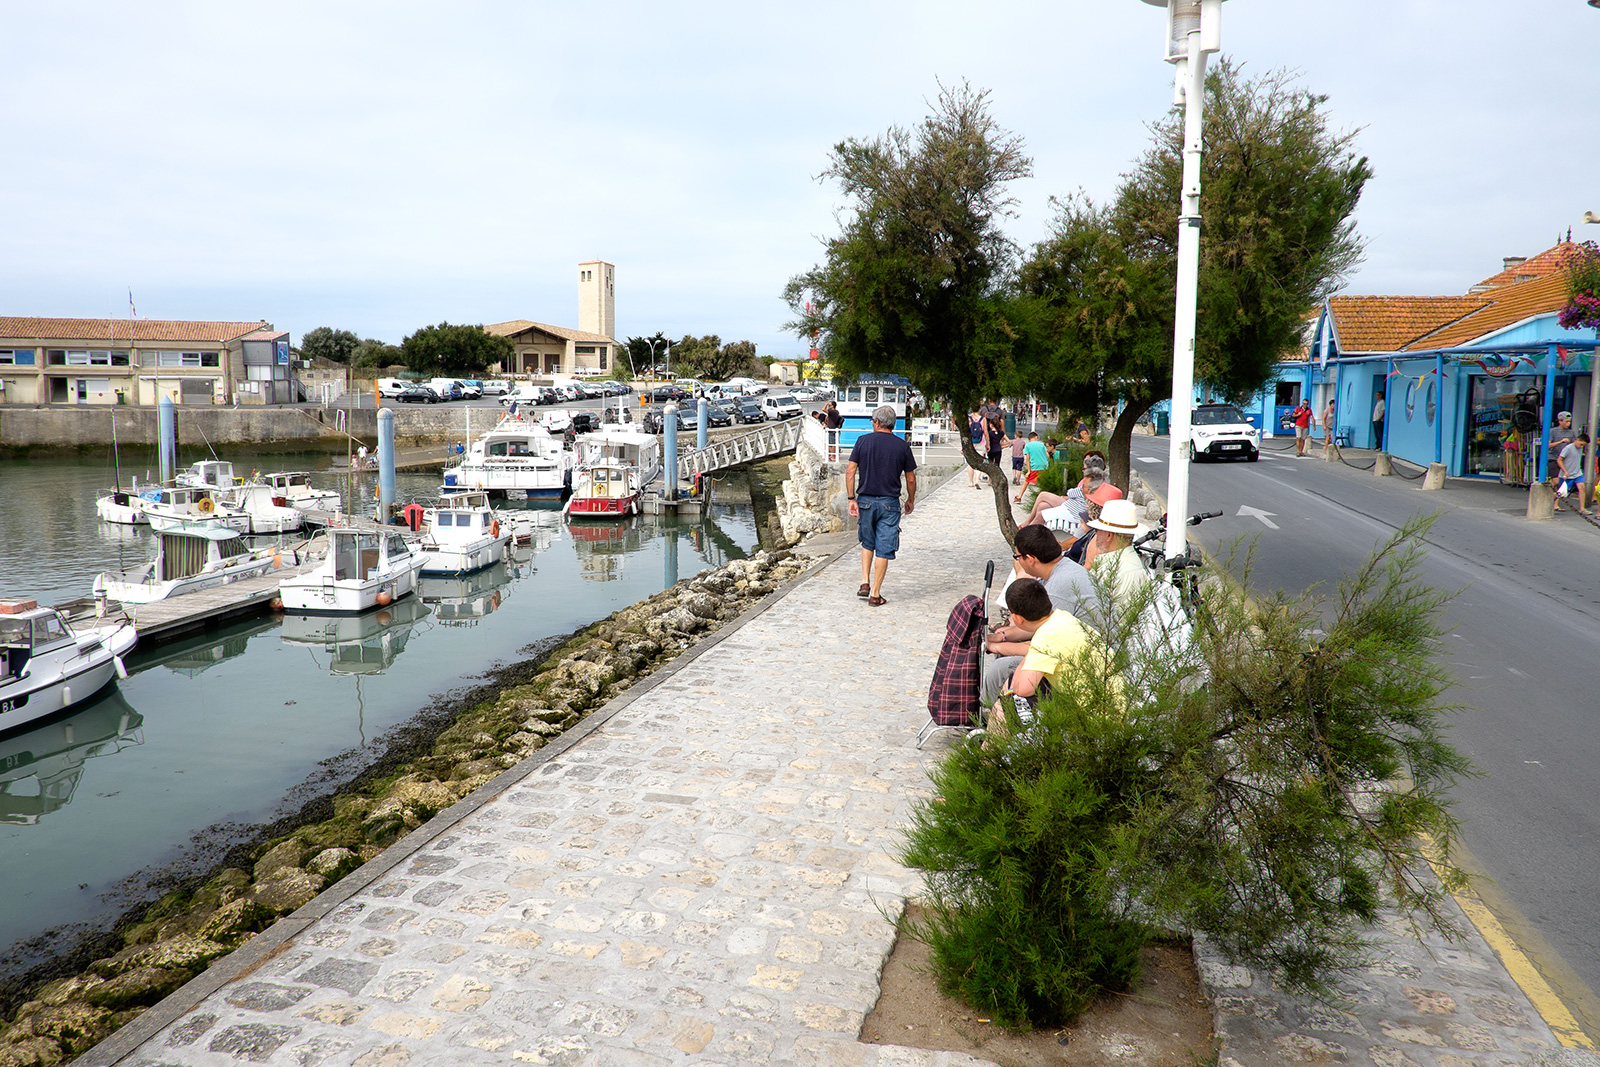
1563	357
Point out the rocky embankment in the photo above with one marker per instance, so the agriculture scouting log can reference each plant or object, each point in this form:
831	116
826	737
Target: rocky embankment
176	938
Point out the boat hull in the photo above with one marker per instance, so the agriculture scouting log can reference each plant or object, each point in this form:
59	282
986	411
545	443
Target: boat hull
110	509
43	693
452	561
606	507
314	594
125	591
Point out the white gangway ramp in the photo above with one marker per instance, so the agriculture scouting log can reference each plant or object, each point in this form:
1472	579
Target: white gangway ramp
771	440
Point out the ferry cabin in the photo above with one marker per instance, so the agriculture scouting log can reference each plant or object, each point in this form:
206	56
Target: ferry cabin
857	401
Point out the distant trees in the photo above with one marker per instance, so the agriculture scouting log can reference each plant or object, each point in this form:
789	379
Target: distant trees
465	350
374	353
707	357
646	352
324	342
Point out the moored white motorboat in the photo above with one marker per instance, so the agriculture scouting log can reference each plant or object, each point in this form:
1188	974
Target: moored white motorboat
180	505
462	534
47	665
297	491
611	468
190	556
366	567
518	454
267	512
122	505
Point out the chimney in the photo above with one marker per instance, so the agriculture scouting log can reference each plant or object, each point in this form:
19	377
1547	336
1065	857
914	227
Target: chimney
1513	261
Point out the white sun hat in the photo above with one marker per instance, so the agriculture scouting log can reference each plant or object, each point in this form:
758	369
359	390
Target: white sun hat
1118	517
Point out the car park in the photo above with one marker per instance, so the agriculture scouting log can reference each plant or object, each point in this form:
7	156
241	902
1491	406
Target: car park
418	394
717	415
749	410
803	392
1220	431
496	387
392	387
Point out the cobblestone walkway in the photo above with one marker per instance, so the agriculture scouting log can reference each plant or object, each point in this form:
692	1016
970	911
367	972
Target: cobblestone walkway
704	879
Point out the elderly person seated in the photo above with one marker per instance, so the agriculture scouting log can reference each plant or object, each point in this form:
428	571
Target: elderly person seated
1093	488
1111	558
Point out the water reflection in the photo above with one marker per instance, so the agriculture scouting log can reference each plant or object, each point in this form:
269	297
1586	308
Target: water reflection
357	644
466	600
200	652
40	769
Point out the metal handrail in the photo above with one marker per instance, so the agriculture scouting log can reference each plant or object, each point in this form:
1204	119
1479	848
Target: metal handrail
772	440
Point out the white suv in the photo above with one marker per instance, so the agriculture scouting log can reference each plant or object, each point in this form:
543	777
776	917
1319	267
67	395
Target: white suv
1220	431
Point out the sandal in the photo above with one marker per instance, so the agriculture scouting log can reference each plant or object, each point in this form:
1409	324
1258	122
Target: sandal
865	590
876	601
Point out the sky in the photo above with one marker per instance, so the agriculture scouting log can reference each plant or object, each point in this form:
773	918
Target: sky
381	167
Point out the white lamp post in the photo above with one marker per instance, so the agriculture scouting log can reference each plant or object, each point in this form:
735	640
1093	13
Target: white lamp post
1194	31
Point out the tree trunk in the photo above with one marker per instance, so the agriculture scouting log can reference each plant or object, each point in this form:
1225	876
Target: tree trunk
999	484
1122	442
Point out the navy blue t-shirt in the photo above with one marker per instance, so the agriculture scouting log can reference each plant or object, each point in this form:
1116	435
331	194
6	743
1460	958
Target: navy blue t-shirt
880	458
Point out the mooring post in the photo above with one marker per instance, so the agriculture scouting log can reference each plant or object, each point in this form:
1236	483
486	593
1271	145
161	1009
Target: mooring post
167	439
385	464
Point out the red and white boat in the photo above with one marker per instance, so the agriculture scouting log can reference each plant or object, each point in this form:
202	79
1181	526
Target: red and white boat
611	468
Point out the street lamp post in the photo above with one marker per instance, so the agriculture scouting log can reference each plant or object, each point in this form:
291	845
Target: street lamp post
1194	30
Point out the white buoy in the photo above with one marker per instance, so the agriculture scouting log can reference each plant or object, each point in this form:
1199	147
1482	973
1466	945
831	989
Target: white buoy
122	671
66	696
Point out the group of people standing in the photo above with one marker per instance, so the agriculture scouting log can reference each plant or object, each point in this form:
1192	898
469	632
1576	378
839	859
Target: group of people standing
993	433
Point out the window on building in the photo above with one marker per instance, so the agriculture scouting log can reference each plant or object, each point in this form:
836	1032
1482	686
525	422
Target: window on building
584	350
603	352
16	357
150	358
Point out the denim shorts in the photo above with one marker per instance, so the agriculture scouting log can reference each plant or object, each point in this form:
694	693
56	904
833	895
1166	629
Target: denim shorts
880	524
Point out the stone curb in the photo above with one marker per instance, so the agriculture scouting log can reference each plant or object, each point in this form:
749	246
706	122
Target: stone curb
261	948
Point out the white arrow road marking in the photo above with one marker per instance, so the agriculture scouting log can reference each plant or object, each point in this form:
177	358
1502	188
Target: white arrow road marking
1256	513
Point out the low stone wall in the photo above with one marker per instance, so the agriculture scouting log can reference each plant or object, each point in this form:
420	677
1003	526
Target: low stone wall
814	497
176	938
24	428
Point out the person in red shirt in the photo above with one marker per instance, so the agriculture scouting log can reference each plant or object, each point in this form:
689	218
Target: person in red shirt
1303	421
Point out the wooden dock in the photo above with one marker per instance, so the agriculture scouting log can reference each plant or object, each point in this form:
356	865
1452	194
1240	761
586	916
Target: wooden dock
164	620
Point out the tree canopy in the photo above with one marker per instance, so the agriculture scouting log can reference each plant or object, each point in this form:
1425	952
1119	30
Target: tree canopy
916	281
1278	192
451	349
324	342
646	352
707	357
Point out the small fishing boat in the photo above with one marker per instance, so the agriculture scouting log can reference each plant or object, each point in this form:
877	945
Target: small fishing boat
519	455
462	534
611	468
181	505
213	473
190	556
366	567
122	505
47	665
297	491
267	513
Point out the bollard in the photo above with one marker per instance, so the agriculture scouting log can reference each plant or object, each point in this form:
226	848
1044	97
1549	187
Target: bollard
1434	479
1541	502
669	466
1381	467
700	431
167	439
385	464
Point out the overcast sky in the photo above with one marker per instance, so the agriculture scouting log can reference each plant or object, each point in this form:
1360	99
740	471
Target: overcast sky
379	167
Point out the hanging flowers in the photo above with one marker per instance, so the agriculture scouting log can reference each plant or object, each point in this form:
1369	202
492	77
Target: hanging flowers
1583	289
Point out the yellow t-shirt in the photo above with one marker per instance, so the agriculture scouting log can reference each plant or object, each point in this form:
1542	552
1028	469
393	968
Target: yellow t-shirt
1056	644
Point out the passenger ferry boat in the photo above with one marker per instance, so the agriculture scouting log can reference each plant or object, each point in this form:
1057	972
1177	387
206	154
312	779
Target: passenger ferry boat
366	567
611	468
190	556
462	534
47	666
858	399
519	455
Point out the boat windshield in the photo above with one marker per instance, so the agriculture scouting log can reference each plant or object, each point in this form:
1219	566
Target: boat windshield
36	631
398	549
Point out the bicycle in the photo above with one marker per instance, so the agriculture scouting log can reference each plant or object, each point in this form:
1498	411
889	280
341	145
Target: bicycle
1182	572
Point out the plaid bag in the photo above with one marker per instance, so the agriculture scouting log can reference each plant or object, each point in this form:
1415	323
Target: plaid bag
953	694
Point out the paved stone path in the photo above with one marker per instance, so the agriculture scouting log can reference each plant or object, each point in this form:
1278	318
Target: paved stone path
708	878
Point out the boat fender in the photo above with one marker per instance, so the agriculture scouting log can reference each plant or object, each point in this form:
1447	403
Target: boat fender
277	559
494	528
276	603
384	599
122	671
66	696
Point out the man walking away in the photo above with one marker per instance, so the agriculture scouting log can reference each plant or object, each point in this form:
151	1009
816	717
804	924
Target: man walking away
880	457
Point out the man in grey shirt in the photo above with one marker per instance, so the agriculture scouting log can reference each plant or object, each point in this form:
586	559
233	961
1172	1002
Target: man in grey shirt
1038	555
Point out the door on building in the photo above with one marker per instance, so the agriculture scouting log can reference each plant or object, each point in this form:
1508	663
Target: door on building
58	390
1285	400
1380	384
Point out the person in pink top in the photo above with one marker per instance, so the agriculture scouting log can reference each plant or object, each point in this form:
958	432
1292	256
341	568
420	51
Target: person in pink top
1094	487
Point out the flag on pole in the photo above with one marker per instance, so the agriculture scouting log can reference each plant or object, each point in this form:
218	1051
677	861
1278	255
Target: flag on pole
133	312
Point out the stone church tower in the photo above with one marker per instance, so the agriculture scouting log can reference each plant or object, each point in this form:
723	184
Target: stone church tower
597	298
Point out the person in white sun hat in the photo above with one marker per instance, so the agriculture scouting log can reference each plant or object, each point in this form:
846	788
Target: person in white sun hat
1112	559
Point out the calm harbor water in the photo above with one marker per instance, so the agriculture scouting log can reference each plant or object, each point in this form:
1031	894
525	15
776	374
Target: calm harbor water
226	726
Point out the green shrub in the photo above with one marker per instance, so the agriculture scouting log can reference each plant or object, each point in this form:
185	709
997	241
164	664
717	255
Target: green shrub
1240	782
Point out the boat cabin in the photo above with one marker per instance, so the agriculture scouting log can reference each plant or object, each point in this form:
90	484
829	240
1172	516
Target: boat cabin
359	555
186	553
27	628
213	472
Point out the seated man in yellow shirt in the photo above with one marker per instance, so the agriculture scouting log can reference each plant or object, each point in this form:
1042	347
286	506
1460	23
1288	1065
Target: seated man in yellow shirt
1057	640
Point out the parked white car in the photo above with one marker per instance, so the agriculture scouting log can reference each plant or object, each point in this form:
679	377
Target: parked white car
781	407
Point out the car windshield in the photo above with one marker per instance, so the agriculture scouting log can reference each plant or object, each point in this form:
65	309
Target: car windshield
1218	415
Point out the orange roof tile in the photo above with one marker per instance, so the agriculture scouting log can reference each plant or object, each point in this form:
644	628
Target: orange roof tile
1545	263
1390	323
515	326
122	331
1505	306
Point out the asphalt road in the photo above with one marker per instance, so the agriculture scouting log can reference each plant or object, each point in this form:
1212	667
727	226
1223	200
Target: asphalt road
1524	637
